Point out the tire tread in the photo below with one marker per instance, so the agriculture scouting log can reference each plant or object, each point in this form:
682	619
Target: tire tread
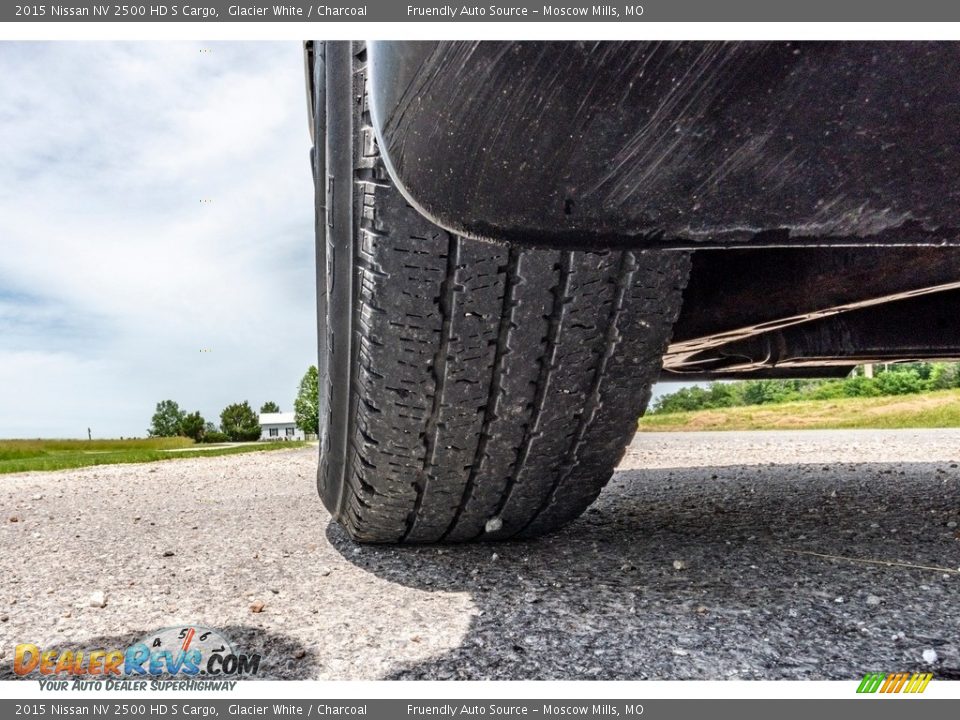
495	387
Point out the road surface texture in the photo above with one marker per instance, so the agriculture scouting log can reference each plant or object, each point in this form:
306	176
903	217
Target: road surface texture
706	557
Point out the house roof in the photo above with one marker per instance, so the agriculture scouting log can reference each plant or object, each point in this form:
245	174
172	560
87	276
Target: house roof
286	418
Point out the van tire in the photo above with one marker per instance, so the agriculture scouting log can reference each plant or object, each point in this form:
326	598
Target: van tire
469	390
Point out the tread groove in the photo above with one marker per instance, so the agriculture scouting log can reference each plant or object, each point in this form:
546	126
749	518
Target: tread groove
489	412
559	292
611	339
438	371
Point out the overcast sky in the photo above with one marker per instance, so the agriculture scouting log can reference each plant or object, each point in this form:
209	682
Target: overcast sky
114	275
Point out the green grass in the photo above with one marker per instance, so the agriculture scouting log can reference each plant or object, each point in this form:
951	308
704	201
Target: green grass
929	410
31	455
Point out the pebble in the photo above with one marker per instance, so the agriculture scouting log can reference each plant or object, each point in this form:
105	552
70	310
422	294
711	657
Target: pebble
930	656
679	565
257	607
493	524
168	553
98	599
873	600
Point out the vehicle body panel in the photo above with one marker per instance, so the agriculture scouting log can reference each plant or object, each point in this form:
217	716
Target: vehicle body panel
815	182
675	144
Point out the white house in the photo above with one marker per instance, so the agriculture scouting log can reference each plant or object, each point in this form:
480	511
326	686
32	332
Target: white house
279	426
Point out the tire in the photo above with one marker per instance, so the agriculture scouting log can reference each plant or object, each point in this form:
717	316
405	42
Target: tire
468	390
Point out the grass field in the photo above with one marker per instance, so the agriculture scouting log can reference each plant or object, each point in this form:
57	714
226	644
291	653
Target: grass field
930	410
27	455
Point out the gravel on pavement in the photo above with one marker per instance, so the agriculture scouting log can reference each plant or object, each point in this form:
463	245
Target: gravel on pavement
763	555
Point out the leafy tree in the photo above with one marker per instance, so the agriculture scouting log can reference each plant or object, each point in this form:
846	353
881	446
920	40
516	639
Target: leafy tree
894	379
945	376
763	392
269	407
166	420
900	382
193	426
210	428
306	408
239	422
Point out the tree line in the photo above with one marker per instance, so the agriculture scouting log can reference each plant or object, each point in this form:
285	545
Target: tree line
238	421
895	379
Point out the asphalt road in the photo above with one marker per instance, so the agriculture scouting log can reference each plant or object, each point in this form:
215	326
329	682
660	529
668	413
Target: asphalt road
704	558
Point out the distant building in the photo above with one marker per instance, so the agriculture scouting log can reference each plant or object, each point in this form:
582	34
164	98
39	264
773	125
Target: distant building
279	426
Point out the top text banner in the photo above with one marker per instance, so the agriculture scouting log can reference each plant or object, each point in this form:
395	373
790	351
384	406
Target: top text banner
511	11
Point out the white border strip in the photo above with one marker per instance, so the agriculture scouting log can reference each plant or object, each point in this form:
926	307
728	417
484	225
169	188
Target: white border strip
483	31
596	690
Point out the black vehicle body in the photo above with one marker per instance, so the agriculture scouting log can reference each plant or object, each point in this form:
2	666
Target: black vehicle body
675	144
831	168
807	191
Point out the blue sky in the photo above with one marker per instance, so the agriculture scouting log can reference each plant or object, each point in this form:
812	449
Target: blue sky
114	275
155	201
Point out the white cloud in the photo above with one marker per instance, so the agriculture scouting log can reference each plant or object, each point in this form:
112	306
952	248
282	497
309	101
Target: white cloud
113	274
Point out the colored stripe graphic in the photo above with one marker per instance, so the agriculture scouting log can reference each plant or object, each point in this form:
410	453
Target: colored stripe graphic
897	682
894	683
919	682
870	683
